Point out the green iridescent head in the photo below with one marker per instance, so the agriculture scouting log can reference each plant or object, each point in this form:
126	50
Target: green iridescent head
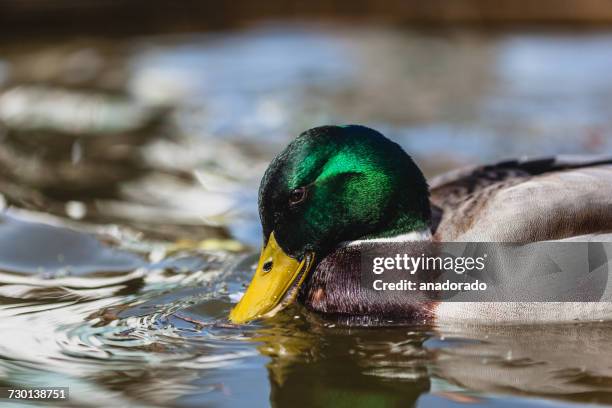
330	185
340	183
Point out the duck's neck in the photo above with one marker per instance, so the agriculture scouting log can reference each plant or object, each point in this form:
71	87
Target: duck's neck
406	228
401	225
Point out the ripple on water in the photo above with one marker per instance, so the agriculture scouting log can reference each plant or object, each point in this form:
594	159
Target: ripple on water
98	310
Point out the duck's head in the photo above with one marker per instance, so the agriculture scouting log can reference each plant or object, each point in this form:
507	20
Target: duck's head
331	185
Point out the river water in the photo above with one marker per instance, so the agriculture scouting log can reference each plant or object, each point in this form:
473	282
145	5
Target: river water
129	171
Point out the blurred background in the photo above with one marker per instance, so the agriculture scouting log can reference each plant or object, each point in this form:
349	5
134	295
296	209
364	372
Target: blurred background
133	136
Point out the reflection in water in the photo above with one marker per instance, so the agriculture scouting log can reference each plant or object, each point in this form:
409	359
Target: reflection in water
320	365
392	366
137	163
566	362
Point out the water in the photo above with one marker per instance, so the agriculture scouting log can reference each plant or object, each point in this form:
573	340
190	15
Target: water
129	228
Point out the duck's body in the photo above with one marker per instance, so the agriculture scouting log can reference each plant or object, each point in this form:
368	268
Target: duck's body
524	200
514	201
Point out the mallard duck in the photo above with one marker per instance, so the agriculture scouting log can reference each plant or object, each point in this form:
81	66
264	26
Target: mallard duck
337	186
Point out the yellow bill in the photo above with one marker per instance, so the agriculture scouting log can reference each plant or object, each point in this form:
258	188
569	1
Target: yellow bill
275	285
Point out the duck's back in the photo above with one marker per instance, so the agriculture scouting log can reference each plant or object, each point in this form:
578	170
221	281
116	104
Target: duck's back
525	201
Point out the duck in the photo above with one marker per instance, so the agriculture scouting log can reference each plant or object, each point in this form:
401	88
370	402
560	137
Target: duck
334	189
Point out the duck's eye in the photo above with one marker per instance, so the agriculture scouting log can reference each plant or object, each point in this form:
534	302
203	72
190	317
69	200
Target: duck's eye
297	196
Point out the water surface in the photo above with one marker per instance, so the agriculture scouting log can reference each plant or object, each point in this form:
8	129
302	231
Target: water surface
129	172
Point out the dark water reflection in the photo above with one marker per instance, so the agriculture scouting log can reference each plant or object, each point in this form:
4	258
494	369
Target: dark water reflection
128	176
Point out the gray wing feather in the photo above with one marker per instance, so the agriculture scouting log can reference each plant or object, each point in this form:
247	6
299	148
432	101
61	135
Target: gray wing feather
524	200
